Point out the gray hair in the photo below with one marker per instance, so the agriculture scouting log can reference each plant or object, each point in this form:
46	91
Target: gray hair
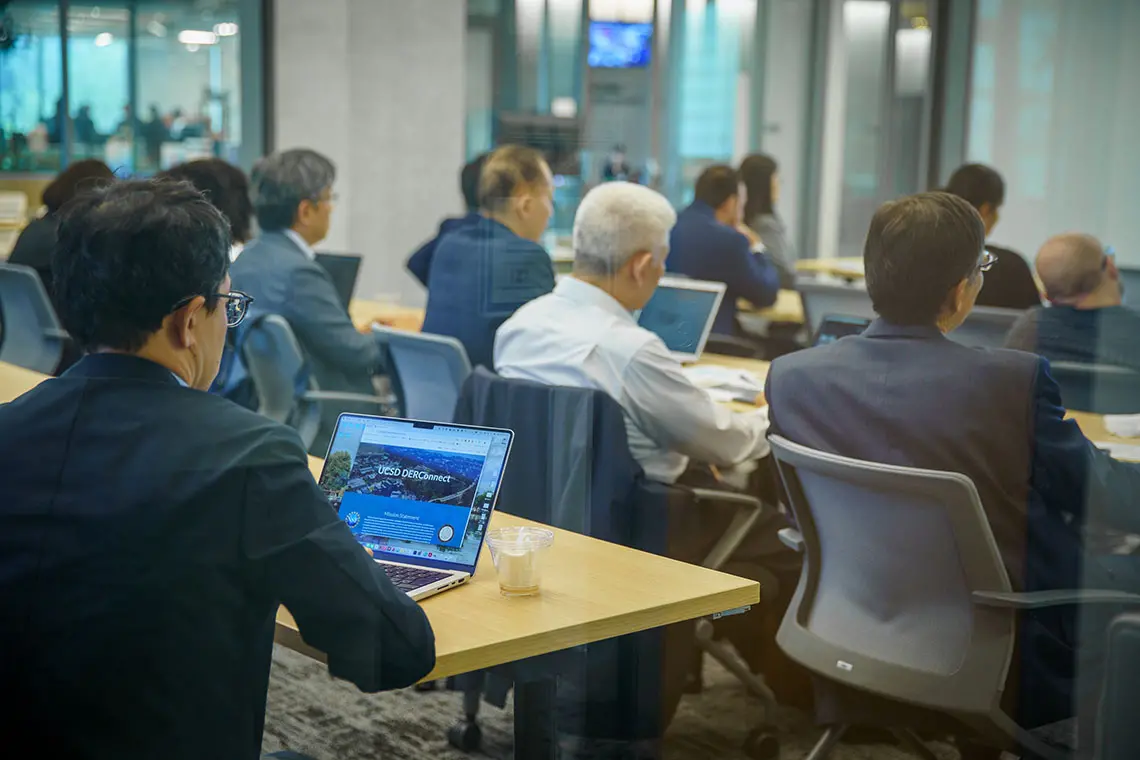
281	181
617	220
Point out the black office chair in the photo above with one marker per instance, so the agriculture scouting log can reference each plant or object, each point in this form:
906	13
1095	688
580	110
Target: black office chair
903	595
570	467
1097	388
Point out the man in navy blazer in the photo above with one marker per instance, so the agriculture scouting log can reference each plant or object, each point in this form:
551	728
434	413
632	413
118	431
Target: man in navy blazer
419	263
709	243
293	197
149	530
481	274
904	394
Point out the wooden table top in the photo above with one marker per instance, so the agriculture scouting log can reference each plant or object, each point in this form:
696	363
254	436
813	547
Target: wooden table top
789	307
364	312
591	590
849	267
16	381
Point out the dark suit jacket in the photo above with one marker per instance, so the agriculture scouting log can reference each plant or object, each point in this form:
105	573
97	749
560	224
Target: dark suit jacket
1110	335
283	280
148	533
419	263
704	249
909	396
1009	284
34	248
480	275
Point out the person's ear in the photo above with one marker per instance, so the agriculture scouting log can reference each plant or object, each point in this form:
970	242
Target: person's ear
184	321
1110	268
641	265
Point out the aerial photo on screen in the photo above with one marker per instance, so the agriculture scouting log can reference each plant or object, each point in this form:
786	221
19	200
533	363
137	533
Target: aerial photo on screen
443	477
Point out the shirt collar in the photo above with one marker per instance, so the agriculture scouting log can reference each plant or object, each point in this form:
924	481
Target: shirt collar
310	254
585	294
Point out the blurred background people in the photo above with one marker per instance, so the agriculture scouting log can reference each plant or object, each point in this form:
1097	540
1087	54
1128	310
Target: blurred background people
1009	284
761	178
419	263
225	186
1086	321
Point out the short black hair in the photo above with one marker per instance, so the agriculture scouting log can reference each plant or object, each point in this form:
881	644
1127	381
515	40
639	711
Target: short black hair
225	186
978	184
918	249
129	252
469	181
716	185
506	169
82	175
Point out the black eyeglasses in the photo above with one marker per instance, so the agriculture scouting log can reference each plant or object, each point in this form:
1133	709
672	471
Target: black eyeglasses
237	305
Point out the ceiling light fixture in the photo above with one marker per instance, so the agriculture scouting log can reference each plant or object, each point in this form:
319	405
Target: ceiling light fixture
226	29
103	39
197	37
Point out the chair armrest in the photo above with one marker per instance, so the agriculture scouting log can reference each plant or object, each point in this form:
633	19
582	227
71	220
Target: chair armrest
52	332
1033	600
362	398
747	513
792	538
725	497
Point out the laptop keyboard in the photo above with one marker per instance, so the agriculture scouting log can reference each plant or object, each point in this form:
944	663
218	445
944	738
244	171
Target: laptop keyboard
411	578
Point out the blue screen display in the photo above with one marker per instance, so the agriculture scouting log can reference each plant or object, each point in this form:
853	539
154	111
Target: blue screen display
415	489
616	45
678	316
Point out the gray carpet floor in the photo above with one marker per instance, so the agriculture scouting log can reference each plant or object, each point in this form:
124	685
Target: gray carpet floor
331	720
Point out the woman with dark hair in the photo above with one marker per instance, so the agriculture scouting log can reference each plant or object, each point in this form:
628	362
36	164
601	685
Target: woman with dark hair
227	188
37	242
760	175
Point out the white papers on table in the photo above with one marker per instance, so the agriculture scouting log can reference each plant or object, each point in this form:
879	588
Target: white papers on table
1123	425
738	381
1129	452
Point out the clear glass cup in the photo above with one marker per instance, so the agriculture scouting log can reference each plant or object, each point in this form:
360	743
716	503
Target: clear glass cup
518	554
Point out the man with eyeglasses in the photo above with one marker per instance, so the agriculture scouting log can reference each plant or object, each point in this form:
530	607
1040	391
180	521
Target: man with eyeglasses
903	394
294	199
1087	321
149	530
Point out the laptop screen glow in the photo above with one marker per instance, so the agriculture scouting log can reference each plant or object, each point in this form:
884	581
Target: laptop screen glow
416	491
681	313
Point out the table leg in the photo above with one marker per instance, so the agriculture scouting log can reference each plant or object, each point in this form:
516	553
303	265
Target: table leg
534	719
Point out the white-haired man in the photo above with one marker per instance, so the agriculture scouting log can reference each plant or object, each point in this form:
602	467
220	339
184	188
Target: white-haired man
584	335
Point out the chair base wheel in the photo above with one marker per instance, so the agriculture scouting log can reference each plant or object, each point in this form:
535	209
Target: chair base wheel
761	745
465	737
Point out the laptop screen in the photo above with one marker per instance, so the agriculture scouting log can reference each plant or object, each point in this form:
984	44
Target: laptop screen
836	326
343	269
681	313
418	492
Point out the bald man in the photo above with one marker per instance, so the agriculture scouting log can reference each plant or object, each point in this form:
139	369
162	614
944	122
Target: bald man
1086	321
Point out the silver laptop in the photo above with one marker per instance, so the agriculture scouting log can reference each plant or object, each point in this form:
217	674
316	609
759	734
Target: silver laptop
682	313
418	494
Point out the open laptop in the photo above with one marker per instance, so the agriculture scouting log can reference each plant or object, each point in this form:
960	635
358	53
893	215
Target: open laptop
836	326
343	269
682	313
418	494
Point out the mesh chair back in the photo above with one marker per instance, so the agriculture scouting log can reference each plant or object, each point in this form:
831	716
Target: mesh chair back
986	327
1098	388
430	370
30	335
892	556
277	368
822	299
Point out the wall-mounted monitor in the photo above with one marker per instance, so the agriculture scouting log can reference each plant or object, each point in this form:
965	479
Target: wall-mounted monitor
619	45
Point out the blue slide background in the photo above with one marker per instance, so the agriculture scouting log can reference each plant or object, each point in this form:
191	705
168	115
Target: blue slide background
421	521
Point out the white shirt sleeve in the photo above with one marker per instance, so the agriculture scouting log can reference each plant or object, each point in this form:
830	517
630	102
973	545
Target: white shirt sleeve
681	417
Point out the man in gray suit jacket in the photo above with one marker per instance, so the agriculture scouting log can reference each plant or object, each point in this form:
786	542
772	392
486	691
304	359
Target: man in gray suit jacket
293	197
902	393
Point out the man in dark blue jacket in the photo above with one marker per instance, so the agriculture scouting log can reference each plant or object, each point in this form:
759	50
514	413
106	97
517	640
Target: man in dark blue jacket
482	273
149	530
710	243
904	394
419	263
